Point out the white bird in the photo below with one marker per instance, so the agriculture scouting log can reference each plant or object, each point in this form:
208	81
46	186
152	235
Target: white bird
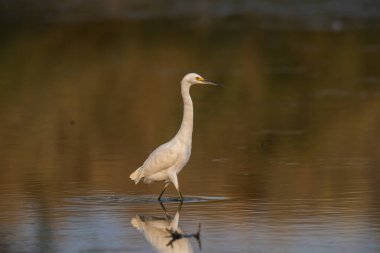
165	162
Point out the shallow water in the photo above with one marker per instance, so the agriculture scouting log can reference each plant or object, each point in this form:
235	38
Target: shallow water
285	156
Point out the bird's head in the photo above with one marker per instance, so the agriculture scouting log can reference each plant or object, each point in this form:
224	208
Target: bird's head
194	78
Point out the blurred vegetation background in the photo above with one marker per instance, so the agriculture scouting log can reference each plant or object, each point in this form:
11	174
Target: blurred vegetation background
89	88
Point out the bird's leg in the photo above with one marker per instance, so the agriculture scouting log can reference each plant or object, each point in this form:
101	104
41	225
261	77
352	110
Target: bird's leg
166	212
198	236
159	197
174	180
179	206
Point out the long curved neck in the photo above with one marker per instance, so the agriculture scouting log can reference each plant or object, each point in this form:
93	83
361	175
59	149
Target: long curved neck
186	130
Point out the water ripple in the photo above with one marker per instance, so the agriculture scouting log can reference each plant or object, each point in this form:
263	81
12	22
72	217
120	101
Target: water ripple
117	199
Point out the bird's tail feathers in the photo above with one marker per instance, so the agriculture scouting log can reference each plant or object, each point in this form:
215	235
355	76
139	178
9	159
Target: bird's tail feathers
137	175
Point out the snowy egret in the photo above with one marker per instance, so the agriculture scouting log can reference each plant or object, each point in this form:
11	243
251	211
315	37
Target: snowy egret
165	162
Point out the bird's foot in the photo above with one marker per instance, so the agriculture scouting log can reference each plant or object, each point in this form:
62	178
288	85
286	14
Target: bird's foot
175	235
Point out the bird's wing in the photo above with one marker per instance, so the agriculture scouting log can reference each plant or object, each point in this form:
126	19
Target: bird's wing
160	159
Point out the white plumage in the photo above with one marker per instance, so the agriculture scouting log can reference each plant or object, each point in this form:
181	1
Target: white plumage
164	163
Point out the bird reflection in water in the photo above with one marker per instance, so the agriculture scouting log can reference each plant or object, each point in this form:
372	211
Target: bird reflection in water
164	233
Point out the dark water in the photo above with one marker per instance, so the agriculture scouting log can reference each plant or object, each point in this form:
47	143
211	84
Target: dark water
286	156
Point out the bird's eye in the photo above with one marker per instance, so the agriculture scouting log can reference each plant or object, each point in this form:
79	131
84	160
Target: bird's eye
198	78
